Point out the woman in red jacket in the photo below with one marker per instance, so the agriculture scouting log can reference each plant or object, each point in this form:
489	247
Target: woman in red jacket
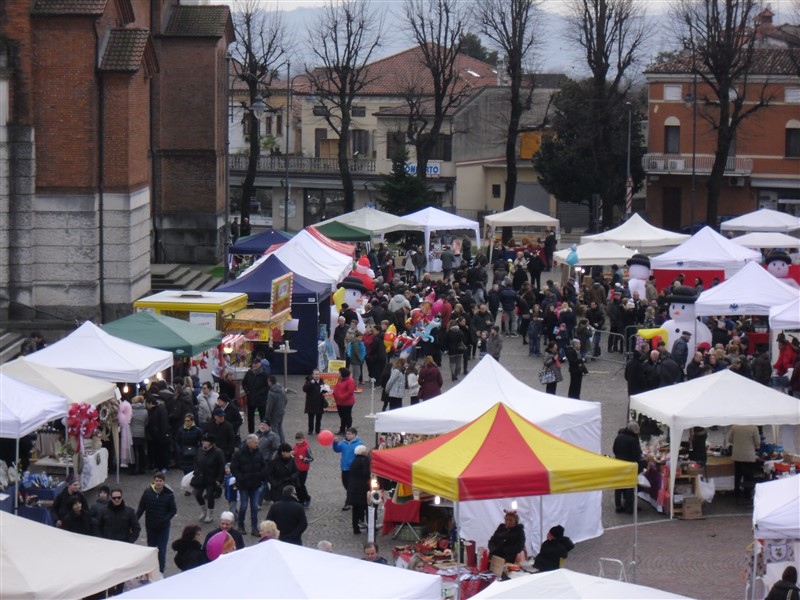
345	397
430	380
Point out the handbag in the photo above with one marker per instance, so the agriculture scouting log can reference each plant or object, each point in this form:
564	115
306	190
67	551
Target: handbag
547	376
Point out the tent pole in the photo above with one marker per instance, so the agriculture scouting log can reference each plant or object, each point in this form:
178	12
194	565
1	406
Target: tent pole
19	478
635	531
541	524
753	573
456	595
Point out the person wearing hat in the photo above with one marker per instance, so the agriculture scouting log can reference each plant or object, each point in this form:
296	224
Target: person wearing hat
226	521
508	540
256	385
60	509
554	549
614	310
577	369
221	433
290	516
627	447
680	349
209	473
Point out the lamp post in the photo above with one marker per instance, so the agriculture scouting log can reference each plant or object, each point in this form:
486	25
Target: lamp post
629	179
691	99
286	150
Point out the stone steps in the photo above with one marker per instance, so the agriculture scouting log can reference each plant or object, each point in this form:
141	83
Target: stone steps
182	277
10	342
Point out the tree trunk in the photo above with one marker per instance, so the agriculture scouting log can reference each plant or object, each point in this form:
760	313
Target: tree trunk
511	155
248	185
344	169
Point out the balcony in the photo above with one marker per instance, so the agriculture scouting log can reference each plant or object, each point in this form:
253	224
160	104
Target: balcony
681	164
302	164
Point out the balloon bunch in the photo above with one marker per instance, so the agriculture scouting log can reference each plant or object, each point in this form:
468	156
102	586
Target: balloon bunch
82	420
420	325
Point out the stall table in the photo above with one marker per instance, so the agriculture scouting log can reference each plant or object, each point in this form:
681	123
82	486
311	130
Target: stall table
719	469
95	467
403	514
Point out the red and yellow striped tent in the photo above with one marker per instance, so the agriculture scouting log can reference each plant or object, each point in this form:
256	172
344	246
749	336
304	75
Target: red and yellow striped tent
501	455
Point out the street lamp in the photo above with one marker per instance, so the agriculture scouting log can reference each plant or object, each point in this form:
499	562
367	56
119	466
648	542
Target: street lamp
286	149
629	179
691	100
258	107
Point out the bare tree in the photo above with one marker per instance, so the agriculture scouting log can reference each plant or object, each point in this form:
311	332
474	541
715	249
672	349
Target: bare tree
437	27
511	25
720	37
610	33
343	40
257	55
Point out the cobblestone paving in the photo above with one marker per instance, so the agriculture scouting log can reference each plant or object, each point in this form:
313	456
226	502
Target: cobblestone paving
701	559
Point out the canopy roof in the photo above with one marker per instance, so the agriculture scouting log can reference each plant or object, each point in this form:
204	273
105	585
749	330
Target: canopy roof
165	333
706	249
24	408
257	284
39	561
343	247
487	383
342	232
259	242
520	216
376	221
785	316
72	387
433	219
776	509
501	455
638	233
751	291
596	253
764	219
767	239
91	351
563	583
290	571
723	398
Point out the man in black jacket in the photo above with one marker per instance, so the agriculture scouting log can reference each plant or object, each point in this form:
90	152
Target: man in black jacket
627	447
209	472
289	516
117	521
222	432
158	502
256	386
232	415
250	469
158	434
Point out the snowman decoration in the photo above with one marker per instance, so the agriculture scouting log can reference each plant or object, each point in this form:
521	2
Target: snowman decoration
363	271
353	292
778	263
638	274
682	318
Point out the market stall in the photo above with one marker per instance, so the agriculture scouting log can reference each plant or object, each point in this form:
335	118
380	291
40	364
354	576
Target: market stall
45	562
519	216
723	398
259	242
206	309
785	316
764	219
639	234
342	232
433	219
767	239
595	253
291	571
165	333
488	382
377	222
750	291
466	464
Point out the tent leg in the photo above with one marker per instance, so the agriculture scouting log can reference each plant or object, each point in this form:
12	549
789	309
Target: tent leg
541	524
753	574
635	532
456	594
19	478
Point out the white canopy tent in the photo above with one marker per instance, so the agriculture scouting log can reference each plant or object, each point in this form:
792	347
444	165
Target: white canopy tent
433	219
574	421
24	408
706	249
596	253
723	398
767	239
92	352
785	316
519	216
638	233
569	585
751	291
72	387
39	561
764	219
290	571
376	221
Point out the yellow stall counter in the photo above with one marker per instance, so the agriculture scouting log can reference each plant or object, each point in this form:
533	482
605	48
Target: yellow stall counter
207	309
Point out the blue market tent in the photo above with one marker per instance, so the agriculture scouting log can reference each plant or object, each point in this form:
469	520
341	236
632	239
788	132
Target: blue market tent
259	242
310	305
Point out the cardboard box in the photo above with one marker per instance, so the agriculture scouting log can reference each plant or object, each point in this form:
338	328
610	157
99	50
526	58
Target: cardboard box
692	509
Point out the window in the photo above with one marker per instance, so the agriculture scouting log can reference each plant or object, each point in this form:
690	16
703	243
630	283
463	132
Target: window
672	139
792	95
793	139
246	125
278	125
320	111
443	149
672	92
495	190
359	111
359	140
319	136
394	139
268	126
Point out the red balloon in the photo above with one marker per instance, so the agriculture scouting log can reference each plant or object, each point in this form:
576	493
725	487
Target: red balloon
325	437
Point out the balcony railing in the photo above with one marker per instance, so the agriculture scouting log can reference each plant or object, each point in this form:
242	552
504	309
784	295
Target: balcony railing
302	164
681	164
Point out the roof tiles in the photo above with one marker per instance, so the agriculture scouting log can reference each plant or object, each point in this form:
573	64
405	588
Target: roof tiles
68	7
125	50
198	21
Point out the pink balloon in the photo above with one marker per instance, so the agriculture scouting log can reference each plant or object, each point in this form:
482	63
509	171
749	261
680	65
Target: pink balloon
215	545
437	307
325	437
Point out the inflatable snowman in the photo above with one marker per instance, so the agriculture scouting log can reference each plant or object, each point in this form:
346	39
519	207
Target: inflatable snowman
682	318
364	273
638	274
354	293
778	263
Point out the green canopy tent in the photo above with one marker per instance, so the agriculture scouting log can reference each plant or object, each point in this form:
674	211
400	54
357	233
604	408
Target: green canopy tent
165	333
342	232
